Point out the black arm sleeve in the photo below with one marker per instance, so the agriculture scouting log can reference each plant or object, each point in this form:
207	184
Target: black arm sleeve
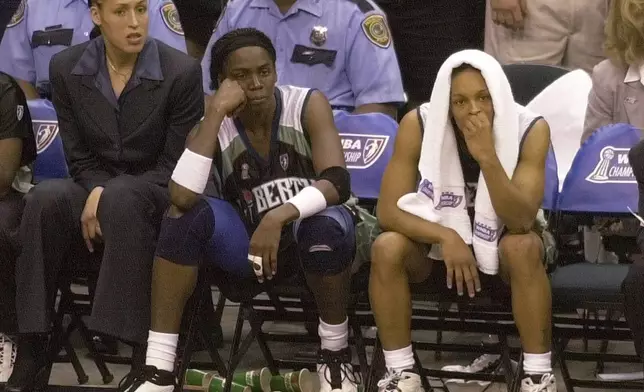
15	121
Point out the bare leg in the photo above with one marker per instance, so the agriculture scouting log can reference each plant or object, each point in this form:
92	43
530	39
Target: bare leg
172	286
395	259
331	295
521	263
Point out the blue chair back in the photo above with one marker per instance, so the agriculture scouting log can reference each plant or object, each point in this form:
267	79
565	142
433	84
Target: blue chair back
368	143
601	179
551	189
50	162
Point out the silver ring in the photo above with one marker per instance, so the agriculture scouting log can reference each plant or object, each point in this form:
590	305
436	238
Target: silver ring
258	265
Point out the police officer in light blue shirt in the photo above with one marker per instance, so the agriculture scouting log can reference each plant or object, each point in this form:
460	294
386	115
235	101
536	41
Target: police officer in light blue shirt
341	47
42	28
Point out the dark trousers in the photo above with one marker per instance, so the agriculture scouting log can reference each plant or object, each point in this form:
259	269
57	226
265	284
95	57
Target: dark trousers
633	289
129	214
10	212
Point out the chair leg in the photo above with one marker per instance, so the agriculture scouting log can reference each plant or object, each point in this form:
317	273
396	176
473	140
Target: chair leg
442	307
510	376
586	317
560	346
256	326
361	349
235	351
78	368
60	337
423	378
377	368
106	375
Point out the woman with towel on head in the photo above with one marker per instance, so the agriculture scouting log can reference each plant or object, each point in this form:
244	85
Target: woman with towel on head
471	136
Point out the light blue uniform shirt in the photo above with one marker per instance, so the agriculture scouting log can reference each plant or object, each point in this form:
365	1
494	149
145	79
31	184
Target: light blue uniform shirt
42	28
341	47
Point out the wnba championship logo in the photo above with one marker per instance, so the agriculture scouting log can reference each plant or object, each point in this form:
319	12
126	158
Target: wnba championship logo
362	151
613	167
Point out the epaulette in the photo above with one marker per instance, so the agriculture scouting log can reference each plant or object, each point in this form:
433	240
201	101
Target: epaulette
364	5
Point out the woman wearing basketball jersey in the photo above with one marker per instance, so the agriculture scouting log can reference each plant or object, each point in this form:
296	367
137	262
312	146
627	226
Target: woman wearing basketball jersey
284	180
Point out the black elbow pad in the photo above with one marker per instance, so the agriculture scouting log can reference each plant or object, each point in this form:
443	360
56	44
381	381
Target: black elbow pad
341	180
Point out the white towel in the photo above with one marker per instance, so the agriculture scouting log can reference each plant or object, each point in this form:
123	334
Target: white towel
441	194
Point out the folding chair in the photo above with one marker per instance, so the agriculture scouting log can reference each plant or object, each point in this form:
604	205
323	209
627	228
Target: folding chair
599	183
528	80
50	162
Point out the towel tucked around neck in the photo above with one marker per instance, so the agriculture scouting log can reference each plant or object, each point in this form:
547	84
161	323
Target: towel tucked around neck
441	194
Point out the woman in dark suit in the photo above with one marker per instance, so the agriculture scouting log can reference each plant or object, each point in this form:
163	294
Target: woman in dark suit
125	105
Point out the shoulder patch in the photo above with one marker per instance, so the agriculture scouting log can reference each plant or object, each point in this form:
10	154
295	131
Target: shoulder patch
170	17
19	15
376	29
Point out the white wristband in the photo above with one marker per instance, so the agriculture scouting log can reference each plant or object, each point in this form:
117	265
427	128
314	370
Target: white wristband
308	202
192	171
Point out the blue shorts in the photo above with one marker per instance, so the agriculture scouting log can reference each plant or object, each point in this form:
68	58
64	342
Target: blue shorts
213	231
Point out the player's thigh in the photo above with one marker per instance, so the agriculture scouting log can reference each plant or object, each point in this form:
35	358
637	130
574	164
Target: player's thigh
229	244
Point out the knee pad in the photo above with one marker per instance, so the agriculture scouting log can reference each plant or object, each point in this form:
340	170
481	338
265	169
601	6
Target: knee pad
182	240
326	242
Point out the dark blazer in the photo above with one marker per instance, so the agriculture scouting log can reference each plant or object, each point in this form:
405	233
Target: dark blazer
143	132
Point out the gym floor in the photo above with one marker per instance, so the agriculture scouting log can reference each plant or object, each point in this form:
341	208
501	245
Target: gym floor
64	375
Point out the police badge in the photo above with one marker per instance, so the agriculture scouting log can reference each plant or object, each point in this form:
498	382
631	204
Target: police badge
318	35
170	17
19	15
20	111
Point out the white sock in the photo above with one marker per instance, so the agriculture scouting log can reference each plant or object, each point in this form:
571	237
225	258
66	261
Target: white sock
162	350
399	360
537	363
334	337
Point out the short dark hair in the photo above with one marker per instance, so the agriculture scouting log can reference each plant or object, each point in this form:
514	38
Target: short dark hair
230	42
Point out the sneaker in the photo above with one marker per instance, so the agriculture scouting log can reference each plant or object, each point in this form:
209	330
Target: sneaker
148	379
486	363
547	383
335	371
7	357
405	381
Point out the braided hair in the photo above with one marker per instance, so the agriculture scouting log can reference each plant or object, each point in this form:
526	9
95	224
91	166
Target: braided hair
230	42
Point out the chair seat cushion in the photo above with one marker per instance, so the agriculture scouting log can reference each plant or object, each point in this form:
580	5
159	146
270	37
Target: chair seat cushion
583	283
